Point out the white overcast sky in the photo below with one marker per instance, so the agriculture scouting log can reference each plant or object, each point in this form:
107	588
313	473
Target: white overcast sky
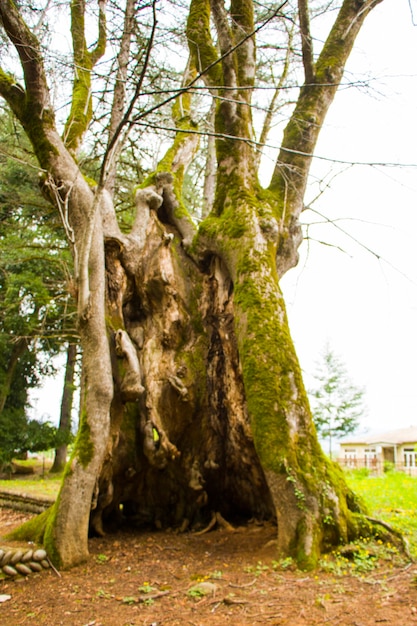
364	307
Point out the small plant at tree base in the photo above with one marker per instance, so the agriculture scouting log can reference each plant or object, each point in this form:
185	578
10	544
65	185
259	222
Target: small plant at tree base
195	593
360	557
102	558
284	564
146	588
257	569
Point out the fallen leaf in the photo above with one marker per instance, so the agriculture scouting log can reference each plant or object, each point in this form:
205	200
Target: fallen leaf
4	597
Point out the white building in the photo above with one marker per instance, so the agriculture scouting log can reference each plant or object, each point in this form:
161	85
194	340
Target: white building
397	447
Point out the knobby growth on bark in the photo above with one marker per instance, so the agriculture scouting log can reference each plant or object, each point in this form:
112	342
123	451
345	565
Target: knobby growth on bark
192	400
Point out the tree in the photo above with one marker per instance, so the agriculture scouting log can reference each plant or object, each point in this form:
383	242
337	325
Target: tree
18	435
34	302
337	404
192	400
64	427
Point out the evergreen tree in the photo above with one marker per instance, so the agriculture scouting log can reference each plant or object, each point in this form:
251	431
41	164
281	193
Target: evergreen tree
34	300
337	404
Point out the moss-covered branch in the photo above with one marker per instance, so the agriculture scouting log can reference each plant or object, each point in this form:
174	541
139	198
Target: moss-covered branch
100	47
28	49
300	136
13	93
242	17
31	104
84	62
25	42
200	42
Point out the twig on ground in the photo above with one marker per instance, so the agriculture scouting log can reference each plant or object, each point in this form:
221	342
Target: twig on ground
252	582
152	596
395	532
53	567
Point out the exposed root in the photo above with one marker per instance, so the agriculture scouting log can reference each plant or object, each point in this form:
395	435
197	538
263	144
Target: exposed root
209	527
184	526
217	520
224	524
394	532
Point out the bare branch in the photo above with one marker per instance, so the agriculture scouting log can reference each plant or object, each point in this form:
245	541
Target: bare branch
119	95
266	127
206	71
108	156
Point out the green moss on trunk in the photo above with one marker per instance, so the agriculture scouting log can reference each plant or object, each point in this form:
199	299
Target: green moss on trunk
32	530
83	447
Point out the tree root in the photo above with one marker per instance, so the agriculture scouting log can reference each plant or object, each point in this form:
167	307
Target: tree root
209	527
394	532
217	519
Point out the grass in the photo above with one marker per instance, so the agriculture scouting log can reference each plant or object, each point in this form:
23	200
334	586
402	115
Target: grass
392	498
48	486
41	483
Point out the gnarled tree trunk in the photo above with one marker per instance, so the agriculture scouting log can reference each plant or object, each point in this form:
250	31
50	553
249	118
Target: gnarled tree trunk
192	396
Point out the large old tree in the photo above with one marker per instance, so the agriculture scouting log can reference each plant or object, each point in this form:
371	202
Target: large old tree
193	403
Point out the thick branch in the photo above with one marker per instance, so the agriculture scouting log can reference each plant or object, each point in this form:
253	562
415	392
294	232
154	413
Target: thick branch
241	13
100	48
84	61
13	93
302	131
300	136
202	48
226	43
306	41
27	47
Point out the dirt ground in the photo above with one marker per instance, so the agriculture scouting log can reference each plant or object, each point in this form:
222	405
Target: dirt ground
221	577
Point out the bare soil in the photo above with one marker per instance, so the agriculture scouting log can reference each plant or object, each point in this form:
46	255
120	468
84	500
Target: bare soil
149	579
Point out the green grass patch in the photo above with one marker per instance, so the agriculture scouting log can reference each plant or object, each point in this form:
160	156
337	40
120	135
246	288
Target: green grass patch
46	485
38	483
392	498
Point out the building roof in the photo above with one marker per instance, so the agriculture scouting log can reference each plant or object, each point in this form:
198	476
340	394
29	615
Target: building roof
393	437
